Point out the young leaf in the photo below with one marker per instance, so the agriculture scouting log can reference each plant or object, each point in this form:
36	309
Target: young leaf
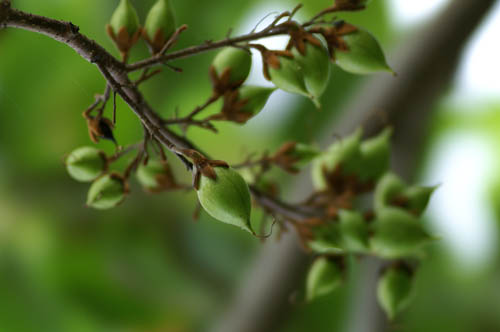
375	155
255	96
354	231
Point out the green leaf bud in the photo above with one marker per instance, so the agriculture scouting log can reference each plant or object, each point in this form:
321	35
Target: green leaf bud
315	68
395	290
388	187
345	153
289	76
364	55
324	277
397	233
391	191
235	60
160	25
255	96
354	231
227	198
86	164
125	16
107	192
326	239
418	198
375	155
156	176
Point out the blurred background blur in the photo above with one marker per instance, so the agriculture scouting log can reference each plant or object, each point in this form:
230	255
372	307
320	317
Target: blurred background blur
146	265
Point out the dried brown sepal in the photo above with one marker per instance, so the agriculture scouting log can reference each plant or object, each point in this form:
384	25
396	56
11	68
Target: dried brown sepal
100	128
271	58
232	109
349	5
299	37
285	157
222	84
159	40
123	41
203	166
333	36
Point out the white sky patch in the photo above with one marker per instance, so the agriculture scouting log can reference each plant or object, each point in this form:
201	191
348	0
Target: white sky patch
411	12
459	209
479	72
279	102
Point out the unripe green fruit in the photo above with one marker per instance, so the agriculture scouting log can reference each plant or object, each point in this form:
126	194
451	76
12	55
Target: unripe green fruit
315	67
418	198
288	77
395	290
375	155
324	276
304	153
226	198
125	16
155	176
107	192
236	60
255	96
327	239
397	233
354	231
388	187
414	199
86	164
365	56
160	20
345	153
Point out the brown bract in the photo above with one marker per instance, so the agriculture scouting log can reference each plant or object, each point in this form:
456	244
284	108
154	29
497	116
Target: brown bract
166	180
232	108
333	36
285	157
298	38
271	58
159	40
123	40
222	84
203	166
100	128
349	5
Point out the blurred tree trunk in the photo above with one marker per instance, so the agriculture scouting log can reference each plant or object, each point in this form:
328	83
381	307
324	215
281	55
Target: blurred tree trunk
425	64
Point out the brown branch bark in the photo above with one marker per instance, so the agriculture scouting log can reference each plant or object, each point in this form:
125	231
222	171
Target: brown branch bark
425	64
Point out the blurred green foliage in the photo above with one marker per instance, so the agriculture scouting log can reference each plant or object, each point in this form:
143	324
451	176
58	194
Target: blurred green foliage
147	265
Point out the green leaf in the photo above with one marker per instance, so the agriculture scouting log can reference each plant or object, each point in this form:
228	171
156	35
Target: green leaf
227	198
326	239
289	76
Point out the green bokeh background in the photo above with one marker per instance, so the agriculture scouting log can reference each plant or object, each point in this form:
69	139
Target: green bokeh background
147	266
